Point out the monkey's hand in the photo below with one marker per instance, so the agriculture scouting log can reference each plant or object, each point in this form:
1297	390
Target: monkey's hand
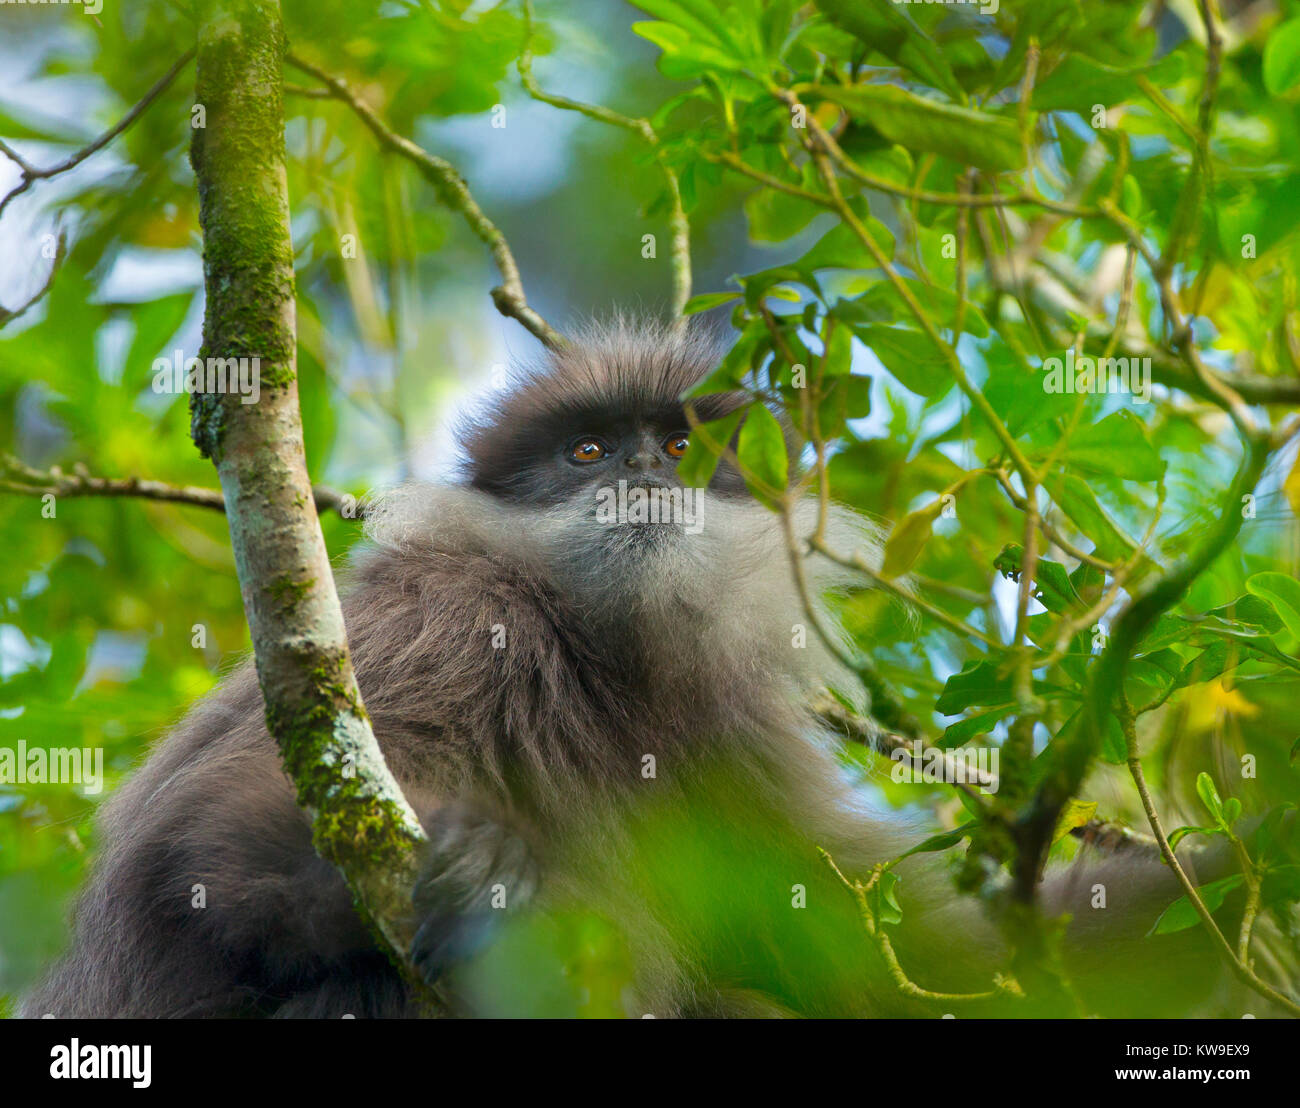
474	871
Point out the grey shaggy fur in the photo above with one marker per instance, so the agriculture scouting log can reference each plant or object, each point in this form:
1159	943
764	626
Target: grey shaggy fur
619	644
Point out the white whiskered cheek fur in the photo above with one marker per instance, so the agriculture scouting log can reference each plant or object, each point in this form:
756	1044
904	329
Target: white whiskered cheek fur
717	588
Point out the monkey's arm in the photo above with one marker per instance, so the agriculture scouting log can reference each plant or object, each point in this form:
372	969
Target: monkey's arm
207	897
475	870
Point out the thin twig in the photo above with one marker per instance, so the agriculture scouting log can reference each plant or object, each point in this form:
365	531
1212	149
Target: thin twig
1069	761
32	174
1238	965
1219	390
677	221
451	187
817	145
1253	888
1021	504
883	741
1004	987
950	199
23	480
857	561
9	314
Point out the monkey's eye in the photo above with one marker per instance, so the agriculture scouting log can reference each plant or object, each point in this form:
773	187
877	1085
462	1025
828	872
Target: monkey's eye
676	444
587	450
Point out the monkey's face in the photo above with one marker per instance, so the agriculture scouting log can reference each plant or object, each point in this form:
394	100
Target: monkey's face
611	460
603	416
642	455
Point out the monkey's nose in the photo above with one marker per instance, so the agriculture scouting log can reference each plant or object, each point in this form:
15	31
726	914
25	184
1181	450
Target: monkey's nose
643	461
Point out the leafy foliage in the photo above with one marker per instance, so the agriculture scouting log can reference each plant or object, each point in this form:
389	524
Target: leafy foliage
940	205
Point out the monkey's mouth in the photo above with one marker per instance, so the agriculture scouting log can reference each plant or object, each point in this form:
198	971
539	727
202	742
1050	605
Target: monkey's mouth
649	507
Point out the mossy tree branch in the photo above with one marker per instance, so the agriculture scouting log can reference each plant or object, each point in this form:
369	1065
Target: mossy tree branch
361	821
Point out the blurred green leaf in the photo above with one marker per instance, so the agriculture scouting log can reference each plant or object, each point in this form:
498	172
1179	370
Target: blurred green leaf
1118	446
1180	915
1282	58
1282	593
976	138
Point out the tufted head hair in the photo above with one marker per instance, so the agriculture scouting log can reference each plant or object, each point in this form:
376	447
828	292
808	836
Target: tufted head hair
628	370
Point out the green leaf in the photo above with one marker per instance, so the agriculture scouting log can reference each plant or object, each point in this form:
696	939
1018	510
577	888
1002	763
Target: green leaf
892	163
943	841
1015	390
888	910
1130	198
1282	593
1113	750
1215	659
971	137
775	216
978	683
838	359
981	724
885	27
908	538
1076	813
1088	581
843	398
1250	611
856	393
684	57
703	18
840	248
1182	832
1180	915
1118	446
883	303
155	324
1052	585
765	283
1077	500
1150	678
1282	58
706	300
698	464
761	450
910	356
1114	747
1165	631
737	362
1078	82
